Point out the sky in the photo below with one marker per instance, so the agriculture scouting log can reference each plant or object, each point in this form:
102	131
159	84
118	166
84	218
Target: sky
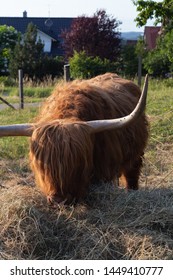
122	10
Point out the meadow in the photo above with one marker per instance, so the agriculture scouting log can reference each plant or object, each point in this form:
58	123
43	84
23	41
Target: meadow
111	223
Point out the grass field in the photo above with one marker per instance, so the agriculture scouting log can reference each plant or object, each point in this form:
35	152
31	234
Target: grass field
111	223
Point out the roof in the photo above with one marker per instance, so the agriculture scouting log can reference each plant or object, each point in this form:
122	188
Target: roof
151	34
50	26
46	35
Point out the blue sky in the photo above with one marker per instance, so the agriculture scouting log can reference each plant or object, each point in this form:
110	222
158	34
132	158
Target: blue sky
123	10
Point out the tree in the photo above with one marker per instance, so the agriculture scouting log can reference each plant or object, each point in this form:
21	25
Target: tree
161	11
28	53
156	63
167	46
84	67
159	61
29	56
50	66
97	36
8	38
129	64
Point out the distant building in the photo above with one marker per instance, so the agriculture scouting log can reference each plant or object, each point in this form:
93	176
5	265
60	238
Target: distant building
130	38
48	30
151	34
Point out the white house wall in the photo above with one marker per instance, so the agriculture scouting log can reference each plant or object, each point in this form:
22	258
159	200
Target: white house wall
46	40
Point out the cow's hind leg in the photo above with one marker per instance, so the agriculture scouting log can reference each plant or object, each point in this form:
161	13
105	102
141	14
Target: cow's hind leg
131	175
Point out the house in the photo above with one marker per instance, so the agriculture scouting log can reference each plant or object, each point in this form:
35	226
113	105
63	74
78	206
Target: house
130	38
48	30
151	34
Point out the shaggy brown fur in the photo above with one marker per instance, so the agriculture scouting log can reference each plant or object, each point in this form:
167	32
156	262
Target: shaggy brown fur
66	157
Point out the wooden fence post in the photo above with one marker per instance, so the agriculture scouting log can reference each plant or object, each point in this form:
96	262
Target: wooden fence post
20	73
7	103
67	72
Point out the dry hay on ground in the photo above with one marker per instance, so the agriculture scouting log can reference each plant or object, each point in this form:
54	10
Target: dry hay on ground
158	167
111	224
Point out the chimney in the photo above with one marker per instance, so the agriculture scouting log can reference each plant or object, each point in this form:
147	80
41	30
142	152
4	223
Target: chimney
25	14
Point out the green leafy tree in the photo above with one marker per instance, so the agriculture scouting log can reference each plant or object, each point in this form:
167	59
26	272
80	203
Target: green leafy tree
167	45
84	66
129	63
161	11
8	39
159	61
140	48
28	54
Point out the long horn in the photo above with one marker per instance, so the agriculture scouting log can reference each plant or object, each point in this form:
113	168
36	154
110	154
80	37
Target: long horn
103	125
16	130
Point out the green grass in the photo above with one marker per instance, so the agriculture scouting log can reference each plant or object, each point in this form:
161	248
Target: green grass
10	116
160	110
18	147
15	99
31	94
15	147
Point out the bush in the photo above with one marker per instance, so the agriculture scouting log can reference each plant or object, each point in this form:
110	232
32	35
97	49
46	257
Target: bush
7	81
129	64
50	66
156	63
84	67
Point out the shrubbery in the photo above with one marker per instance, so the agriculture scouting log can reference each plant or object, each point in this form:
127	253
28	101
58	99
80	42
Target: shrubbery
7	81
28	55
83	66
50	66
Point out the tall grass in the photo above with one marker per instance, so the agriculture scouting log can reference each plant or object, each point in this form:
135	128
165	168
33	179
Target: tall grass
15	147
160	111
32	89
31	94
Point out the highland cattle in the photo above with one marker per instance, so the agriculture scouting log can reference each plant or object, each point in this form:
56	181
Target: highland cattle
87	131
